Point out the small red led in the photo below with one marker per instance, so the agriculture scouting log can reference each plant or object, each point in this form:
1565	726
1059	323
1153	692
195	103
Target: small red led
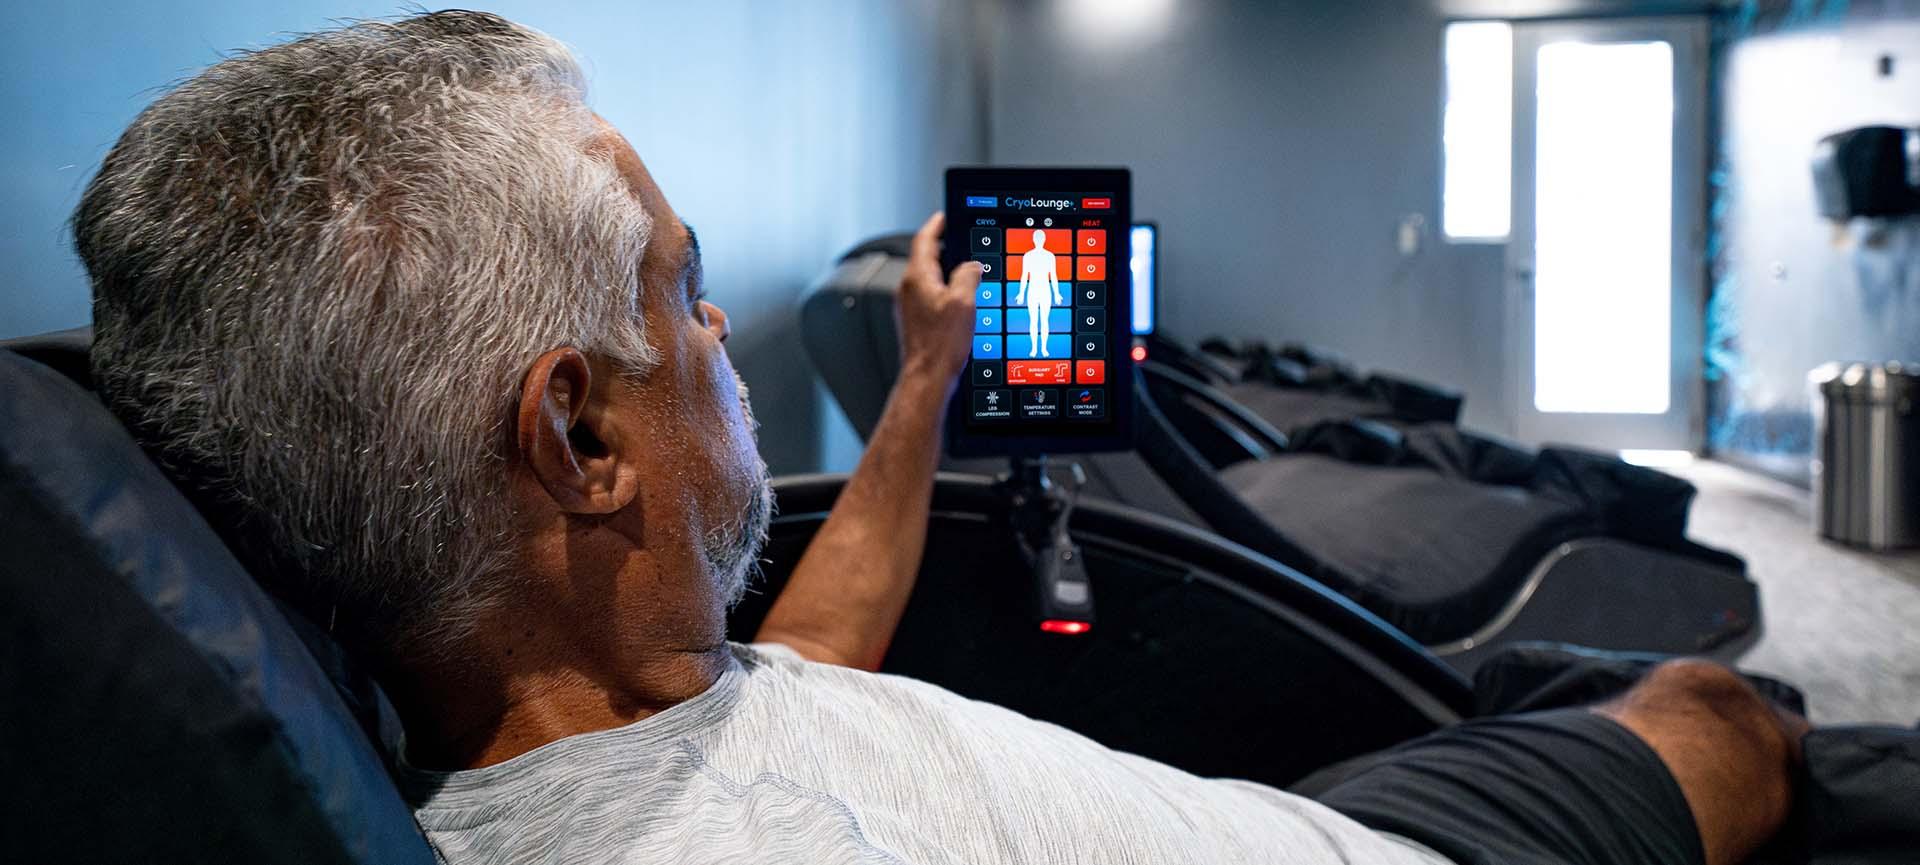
1139	353
1065	626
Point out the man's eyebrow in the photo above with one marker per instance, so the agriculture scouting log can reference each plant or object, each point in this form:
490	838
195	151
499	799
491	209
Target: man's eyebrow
693	247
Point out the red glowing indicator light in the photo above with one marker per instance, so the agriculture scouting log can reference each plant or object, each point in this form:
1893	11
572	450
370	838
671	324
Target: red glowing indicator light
1065	626
1139	353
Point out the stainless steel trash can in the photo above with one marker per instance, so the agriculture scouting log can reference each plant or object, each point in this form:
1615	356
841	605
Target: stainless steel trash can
1866	460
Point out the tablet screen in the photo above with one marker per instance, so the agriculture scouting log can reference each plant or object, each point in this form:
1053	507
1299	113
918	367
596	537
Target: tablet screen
1050	367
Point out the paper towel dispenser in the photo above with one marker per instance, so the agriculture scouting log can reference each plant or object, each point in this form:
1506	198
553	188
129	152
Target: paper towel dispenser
1871	171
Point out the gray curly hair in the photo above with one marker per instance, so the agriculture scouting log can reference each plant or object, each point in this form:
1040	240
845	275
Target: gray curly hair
319	272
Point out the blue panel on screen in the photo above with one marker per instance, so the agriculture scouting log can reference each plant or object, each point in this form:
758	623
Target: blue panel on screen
1020	347
1059	320
1013	291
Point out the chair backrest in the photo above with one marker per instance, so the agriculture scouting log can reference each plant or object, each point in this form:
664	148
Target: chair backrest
1221	430
155	704
847	327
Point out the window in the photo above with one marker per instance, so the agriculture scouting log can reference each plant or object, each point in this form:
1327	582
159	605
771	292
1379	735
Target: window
1478	132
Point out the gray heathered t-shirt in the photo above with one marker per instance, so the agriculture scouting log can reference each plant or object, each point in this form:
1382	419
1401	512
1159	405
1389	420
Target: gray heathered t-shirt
786	761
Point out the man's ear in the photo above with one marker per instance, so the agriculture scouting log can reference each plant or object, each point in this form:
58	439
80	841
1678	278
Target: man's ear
564	431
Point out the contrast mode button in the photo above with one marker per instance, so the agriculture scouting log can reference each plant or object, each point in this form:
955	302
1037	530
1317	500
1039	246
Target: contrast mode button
1086	403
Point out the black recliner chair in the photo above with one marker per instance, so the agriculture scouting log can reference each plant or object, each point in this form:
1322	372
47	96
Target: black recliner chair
156	705
1295	386
1466	544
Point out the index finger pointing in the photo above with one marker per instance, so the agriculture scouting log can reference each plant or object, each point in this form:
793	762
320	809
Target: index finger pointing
926	244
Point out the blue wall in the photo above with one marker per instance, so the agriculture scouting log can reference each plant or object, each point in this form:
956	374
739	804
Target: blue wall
785	131
1279	146
1790	290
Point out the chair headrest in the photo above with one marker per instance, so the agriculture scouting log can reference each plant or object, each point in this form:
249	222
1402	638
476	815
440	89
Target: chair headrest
65	351
848	328
160	706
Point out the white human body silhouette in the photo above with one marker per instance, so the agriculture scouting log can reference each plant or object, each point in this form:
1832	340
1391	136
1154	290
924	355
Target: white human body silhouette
1036	265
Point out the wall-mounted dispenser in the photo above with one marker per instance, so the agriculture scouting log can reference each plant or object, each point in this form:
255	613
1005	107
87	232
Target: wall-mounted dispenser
1871	171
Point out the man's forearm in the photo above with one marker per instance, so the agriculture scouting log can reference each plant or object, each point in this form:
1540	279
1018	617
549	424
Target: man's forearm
846	596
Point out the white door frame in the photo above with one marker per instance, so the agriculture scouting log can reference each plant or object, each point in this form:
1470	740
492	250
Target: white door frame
1682	426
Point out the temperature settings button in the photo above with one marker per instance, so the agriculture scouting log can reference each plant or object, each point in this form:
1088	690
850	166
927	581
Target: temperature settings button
1087	403
1040	403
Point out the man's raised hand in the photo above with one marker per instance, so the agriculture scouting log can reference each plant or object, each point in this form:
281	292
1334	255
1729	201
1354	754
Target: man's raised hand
936	315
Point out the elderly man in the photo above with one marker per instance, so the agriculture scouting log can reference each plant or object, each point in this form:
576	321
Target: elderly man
421	333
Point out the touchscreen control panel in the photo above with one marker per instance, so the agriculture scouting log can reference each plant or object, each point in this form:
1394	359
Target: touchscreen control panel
1051	336
1040	336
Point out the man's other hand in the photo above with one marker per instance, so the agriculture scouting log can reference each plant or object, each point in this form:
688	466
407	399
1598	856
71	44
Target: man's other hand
936	315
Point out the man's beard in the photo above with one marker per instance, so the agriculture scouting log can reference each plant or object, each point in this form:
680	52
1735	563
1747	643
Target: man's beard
732	551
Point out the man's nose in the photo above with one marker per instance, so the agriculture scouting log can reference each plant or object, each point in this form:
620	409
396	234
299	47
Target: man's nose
716	321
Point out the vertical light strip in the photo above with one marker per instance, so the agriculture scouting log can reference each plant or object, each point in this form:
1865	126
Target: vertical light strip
1478	132
1143	273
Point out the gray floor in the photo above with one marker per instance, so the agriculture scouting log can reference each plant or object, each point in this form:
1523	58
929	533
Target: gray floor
1842	624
